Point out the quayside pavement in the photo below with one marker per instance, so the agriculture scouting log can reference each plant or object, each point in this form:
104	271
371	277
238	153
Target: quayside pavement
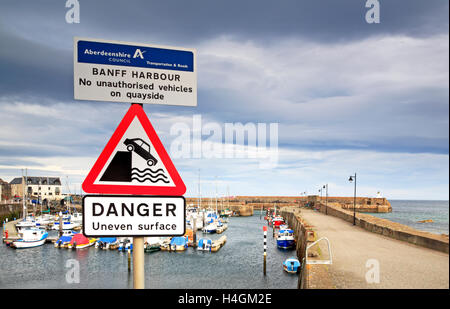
401	265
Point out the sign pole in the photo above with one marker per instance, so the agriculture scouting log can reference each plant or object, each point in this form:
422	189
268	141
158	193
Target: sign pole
138	263
138	256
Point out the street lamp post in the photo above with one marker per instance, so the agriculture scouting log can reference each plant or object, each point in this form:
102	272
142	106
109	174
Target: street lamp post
326	198
354	199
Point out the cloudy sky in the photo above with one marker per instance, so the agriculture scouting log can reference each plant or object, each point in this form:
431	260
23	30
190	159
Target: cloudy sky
348	96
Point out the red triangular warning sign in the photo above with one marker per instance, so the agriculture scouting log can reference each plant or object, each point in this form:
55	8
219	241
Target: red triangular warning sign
134	161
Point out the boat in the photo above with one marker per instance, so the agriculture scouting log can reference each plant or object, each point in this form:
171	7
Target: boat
204	244
105	242
45	219
79	241
76	217
31	237
67	225
165	244
198	221
178	244
64	240
277	221
285	239
221	227
284	227
152	244
26	223
291	265
210	228
225	219
125	243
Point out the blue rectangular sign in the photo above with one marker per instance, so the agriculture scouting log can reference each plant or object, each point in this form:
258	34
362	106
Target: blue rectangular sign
135	56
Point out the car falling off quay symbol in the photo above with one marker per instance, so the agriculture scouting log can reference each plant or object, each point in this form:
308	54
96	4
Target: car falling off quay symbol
141	148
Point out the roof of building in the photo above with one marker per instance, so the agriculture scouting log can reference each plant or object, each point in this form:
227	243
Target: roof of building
52	181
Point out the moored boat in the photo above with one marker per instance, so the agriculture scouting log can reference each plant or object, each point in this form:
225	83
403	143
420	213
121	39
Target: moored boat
125	243
285	239
67	225
291	265
31	237
105	242
79	241
152	244
178	244
204	244
210	228
26	223
277	221
64	240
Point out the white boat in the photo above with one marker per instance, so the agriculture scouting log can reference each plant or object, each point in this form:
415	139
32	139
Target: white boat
31	237
284	227
210	228
198	221
76	217
26	223
67	225
45	219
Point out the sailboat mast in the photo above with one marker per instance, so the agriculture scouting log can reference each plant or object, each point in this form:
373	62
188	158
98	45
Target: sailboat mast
26	190
216	194
199	192
23	195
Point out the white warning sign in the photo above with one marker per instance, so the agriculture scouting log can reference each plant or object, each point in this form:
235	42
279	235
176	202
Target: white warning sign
117	71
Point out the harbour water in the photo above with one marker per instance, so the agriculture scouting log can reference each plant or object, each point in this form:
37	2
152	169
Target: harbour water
409	212
239	264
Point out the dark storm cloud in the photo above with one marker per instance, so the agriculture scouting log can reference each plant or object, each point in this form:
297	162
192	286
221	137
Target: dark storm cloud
197	20
30	68
36	61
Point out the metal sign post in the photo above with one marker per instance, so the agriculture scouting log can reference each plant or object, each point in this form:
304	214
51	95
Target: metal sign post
138	263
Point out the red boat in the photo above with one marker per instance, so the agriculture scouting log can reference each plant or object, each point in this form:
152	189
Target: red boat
277	221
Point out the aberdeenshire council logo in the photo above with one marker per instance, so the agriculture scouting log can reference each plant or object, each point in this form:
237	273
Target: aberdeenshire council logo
116	56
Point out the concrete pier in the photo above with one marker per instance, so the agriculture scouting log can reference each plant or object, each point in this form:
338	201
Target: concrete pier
355	250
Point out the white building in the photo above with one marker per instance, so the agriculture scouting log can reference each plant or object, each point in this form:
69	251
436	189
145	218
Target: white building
45	188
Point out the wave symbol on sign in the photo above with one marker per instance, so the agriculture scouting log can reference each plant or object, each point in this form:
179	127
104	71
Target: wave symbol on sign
148	175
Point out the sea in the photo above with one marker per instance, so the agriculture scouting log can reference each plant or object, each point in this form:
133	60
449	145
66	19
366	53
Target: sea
410	212
239	264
